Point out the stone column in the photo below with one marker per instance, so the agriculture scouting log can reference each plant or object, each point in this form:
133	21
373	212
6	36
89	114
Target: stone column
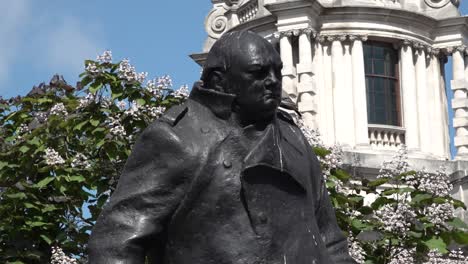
359	92
306	87
328	102
338	87
408	87
436	97
288	67
422	101
460	103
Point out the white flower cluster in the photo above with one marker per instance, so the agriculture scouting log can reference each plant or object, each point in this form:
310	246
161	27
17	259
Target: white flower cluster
122	105
455	257
105	57
154	111
182	92
134	110
396	220
356	251
42	116
87	100
396	166
458	257
128	73
334	160
80	161
59	109
437	184
93	68
157	86
21	130
438	214
52	157
312	135
402	256
59	257
116	128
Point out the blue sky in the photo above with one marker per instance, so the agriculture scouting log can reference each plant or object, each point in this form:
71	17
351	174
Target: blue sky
41	38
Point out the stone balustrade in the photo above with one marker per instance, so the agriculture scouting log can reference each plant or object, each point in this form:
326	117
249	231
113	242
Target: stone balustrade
386	137
248	11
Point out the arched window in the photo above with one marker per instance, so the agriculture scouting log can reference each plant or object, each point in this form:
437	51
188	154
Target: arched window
382	84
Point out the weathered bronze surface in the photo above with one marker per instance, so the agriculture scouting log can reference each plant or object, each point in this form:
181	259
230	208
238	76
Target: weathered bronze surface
225	177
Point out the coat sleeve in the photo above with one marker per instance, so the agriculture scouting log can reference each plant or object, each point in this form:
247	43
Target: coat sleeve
333	237
150	188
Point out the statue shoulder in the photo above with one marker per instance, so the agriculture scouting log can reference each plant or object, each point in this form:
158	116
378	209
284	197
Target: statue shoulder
174	114
288	116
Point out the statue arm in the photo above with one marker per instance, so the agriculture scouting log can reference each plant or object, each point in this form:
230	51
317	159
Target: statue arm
149	190
332	235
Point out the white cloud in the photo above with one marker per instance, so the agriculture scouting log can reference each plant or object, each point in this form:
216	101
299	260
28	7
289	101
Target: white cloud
38	38
67	45
14	15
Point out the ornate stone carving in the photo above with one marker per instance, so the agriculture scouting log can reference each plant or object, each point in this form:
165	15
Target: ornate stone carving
437	3
295	32
216	22
341	37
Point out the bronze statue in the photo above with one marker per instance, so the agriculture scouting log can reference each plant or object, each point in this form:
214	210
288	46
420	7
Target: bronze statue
225	177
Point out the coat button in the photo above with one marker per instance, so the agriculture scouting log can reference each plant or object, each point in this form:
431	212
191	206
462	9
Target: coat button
262	217
205	130
227	164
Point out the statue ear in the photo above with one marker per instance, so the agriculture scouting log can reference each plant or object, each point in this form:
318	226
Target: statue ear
216	81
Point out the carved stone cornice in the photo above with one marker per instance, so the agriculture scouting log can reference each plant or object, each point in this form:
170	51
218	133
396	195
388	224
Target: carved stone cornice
295	32
322	38
451	49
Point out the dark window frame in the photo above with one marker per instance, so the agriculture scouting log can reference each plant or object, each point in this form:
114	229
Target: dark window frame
392	107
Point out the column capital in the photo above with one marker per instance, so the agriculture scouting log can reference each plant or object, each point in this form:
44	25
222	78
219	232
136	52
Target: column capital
341	37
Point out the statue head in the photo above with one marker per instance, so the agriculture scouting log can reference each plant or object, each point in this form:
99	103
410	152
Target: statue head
246	65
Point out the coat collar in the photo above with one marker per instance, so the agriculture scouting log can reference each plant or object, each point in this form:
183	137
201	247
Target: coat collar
278	146
219	103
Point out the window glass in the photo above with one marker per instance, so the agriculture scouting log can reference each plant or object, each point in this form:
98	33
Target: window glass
380	61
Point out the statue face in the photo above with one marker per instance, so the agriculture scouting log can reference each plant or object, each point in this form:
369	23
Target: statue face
255	77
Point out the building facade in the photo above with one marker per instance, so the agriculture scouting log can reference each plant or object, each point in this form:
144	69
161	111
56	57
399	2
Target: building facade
368	74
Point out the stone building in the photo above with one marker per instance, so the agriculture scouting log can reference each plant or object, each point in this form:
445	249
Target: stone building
368	74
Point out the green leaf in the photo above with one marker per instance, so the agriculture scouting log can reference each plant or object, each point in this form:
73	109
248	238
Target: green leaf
437	243
46	239
378	182
95	87
36	223
78	178
342	175
116	95
458	204
141	101
19	195
24	149
95	122
457	223
35	141
460	237
44	182
3	164
49	208
356	223
44	100
321	152
420	197
80	125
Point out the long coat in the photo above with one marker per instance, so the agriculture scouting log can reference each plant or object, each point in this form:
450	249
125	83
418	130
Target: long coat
199	189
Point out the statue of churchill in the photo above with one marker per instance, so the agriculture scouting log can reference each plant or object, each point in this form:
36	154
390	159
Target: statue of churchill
225	177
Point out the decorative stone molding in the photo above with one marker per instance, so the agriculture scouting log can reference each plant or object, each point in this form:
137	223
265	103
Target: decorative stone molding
451	49
295	32
322	38
248	11
437	3
216	22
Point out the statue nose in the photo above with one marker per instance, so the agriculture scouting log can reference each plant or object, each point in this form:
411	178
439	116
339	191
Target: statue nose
271	79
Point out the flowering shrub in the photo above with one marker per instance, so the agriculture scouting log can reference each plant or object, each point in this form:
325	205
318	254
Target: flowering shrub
61	151
411	219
